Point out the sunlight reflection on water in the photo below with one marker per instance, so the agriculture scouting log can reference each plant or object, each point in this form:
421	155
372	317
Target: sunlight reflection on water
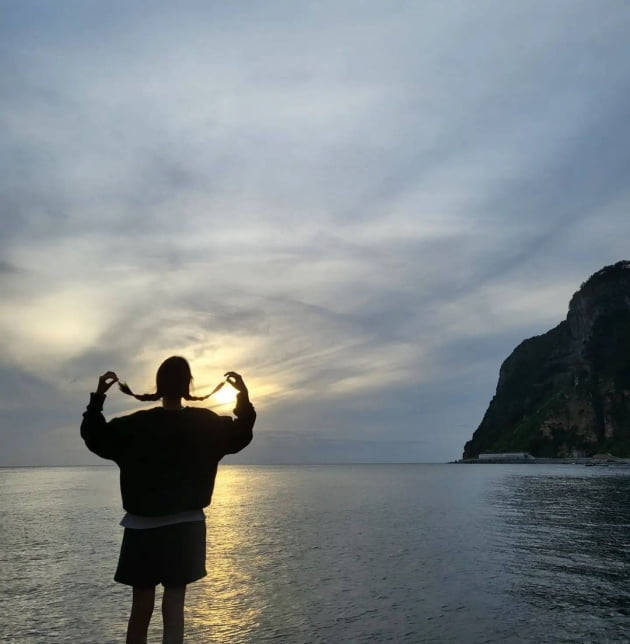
218	609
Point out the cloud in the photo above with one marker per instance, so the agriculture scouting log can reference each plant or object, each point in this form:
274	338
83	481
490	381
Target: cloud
363	207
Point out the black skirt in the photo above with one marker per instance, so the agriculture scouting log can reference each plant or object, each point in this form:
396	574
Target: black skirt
172	555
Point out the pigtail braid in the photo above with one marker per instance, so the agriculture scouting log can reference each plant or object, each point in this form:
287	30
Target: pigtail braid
126	389
214	391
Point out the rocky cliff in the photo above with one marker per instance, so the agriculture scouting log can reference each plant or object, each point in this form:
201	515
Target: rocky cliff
567	392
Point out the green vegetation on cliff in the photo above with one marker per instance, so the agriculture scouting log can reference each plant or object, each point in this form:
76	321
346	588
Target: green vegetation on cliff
567	392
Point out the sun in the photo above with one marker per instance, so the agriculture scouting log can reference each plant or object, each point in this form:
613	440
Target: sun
226	394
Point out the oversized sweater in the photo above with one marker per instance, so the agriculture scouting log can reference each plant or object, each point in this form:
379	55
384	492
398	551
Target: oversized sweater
167	458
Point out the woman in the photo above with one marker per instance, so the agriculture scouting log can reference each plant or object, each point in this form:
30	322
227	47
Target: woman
168	458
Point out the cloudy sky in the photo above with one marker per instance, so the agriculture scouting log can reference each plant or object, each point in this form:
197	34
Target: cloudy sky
361	206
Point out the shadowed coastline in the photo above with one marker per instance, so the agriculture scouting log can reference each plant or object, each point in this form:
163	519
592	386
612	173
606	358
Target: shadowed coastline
563	394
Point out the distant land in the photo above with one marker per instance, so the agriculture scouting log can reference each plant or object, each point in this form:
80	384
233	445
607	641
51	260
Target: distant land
566	393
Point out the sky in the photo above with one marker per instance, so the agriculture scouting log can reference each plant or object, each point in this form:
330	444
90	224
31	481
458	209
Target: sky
362	207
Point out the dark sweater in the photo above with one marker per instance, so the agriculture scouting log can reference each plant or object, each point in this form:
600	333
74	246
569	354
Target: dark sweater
168	458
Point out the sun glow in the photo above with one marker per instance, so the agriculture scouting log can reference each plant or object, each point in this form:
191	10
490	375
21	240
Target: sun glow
225	395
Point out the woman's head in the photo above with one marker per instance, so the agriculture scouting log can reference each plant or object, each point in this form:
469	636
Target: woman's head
172	380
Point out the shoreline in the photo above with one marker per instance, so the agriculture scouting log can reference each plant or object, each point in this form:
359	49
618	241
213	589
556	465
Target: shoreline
587	461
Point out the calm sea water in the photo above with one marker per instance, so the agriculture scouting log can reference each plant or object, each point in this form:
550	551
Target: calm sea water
335	554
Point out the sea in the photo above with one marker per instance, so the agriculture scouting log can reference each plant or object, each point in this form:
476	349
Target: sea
336	554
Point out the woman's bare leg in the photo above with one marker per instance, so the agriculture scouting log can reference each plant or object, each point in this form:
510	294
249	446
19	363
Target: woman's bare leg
141	611
173	614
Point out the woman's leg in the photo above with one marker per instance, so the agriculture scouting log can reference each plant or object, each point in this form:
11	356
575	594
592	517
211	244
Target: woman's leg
141	611
173	614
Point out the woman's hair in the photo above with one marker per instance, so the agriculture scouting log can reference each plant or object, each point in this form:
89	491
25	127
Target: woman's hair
173	378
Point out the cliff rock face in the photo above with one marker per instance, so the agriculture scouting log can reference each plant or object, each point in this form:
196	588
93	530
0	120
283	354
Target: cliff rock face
567	392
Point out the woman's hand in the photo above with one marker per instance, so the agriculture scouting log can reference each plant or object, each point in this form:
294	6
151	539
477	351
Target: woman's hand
105	382
236	381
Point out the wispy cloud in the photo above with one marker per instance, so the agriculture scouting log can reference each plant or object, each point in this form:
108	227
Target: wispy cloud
362	207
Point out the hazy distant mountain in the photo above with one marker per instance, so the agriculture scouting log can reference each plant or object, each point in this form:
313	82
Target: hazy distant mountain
567	392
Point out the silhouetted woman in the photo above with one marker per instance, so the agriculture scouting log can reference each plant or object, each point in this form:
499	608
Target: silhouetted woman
168	459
